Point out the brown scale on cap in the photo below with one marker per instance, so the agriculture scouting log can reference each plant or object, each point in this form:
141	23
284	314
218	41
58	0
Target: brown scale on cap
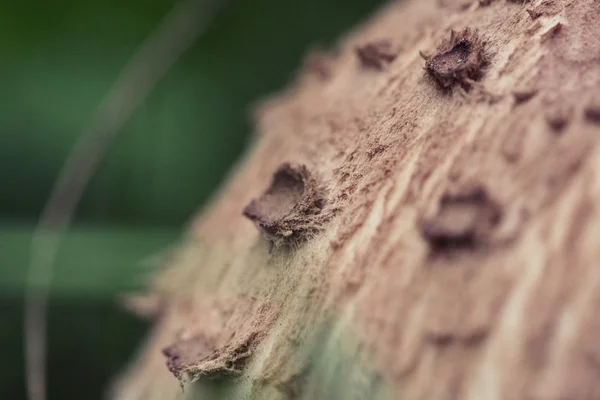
200	357
457	5
459	60
552	32
291	210
463	221
319	63
533	13
545	8
187	352
523	96
592	111
376	55
557	111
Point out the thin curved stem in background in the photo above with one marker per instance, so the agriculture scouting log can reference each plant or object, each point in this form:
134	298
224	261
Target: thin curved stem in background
155	57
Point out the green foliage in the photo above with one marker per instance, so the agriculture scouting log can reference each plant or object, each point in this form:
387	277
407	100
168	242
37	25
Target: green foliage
58	61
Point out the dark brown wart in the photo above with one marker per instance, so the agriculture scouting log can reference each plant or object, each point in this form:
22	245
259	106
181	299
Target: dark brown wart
290	211
459	60
463	221
376	55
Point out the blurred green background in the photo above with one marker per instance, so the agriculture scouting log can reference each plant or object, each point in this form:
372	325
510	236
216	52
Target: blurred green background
57	60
